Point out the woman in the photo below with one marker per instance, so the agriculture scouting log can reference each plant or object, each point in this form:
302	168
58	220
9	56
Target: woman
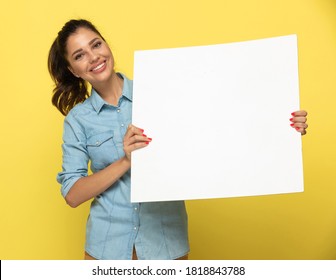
98	128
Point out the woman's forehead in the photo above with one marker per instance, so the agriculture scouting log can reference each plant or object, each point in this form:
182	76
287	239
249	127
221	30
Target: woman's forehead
81	38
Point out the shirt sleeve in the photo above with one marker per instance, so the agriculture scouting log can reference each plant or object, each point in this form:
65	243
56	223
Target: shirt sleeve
75	155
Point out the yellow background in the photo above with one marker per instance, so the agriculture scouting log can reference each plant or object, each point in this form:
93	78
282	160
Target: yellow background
35	222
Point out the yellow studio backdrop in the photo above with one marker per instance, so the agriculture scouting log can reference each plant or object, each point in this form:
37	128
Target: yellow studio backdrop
35	221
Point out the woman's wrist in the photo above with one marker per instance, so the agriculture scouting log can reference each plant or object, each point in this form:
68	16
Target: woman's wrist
126	161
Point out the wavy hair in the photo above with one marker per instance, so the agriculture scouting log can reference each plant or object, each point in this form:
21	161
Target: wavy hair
69	90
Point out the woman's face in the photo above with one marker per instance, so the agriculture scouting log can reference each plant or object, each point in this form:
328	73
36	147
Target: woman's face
89	56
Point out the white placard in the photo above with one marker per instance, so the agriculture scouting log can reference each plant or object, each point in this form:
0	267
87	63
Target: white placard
219	119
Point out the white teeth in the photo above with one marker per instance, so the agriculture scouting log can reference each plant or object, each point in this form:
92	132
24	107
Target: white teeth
98	67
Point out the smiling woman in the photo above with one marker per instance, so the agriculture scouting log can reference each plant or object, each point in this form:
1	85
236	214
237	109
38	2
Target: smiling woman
91	59
98	128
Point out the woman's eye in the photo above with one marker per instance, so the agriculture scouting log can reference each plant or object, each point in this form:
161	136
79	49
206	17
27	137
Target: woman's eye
78	56
97	45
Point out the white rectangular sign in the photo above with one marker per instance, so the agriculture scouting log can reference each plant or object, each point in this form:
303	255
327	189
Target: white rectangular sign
219	119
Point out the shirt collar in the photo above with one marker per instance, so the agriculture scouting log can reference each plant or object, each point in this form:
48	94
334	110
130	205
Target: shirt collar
98	102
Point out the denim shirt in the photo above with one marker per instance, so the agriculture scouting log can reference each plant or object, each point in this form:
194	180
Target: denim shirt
94	132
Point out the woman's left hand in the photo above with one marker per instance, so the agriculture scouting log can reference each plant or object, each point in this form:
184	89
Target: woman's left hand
299	119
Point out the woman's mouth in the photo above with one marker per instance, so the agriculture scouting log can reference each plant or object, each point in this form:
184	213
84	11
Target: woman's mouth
99	68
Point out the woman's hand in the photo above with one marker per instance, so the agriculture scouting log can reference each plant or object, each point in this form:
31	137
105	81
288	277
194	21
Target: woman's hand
299	120
134	139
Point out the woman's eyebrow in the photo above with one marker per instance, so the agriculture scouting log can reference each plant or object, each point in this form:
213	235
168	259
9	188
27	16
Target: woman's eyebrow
90	43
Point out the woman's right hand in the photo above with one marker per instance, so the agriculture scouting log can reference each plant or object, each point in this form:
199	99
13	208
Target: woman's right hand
134	139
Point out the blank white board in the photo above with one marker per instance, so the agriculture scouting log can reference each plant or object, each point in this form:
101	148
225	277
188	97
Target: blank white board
219	119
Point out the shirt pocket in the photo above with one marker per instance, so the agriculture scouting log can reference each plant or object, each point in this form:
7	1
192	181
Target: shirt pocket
102	149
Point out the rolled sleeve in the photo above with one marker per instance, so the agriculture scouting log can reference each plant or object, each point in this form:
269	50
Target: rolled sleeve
75	156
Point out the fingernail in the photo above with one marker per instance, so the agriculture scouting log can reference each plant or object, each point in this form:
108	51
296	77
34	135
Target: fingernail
293	114
291	119
292	124
144	135
150	139
147	143
297	128
142	130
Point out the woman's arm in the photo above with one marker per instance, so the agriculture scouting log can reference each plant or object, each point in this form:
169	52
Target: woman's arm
90	186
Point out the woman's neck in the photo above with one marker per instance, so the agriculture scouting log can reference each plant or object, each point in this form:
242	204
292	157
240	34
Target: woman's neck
111	90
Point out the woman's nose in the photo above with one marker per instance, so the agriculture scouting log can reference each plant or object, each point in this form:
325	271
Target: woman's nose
93	57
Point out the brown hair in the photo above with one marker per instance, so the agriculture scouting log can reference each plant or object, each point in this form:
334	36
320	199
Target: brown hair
69	90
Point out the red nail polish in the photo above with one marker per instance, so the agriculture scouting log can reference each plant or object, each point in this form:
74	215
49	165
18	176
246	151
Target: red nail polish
150	139
297	128
293	114
142	130
144	135
292	124
147	143
291	119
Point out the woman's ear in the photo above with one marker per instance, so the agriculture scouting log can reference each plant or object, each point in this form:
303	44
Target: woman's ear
73	73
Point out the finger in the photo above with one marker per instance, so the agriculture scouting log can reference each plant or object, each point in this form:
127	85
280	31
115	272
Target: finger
133	130
299	129
137	146
299	125
298	119
302	130
299	113
136	130
138	139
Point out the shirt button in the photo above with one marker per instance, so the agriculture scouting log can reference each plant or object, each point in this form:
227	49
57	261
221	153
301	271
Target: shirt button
122	124
118	110
135	208
135	228
97	143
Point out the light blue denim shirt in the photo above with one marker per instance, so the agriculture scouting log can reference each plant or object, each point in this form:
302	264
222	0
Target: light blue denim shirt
94	131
